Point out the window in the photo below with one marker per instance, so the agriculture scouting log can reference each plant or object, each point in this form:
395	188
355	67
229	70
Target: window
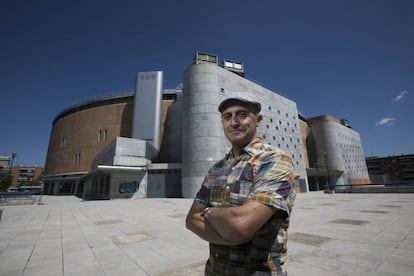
76	159
102	135
62	142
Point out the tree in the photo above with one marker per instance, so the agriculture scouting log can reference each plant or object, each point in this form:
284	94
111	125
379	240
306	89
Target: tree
5	181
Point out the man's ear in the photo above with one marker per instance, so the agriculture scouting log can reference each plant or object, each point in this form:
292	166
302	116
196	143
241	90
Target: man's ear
259	117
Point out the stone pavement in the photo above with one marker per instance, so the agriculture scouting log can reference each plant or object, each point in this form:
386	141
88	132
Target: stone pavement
330	234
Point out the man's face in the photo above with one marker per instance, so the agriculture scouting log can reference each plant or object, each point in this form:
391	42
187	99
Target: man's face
239	124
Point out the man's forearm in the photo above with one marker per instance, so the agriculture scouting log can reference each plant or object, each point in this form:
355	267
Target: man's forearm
198	225
223	221
239	224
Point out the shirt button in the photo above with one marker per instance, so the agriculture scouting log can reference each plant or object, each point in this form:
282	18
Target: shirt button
227	187
216	254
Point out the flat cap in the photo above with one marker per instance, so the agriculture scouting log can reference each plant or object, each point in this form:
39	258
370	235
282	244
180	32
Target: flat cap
239	100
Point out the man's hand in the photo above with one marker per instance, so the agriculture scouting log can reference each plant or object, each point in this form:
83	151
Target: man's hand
197	224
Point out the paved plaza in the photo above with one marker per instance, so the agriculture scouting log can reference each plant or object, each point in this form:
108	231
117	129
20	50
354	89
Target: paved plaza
330	234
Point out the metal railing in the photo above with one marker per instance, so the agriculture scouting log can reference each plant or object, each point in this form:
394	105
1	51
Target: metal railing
375	188
20	198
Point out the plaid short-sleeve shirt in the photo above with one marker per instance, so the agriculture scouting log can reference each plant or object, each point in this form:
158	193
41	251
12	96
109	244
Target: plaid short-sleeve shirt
263	174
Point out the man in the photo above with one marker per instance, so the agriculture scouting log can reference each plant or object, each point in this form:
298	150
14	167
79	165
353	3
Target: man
243	206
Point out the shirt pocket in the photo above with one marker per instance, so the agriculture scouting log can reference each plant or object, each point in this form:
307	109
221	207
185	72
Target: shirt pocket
242	187
219	195
240	192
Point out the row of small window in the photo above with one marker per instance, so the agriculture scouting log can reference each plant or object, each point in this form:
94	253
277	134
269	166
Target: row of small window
278	112
24	179
352	150
280	122
277	128
287	145
348	137
293	156
356	169
354	157
22	171
348	146
354	163
102	136
283	138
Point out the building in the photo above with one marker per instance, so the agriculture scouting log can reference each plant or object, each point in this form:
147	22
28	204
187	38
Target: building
21	177
4	161
205	85
26	177
335	154
86	131
395	170
156	142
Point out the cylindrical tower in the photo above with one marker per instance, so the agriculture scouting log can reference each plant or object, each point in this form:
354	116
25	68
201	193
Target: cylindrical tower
202	132
79	133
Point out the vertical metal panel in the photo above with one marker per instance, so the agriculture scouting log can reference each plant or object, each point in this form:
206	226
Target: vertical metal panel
146	119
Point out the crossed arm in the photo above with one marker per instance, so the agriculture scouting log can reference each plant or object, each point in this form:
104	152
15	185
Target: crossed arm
228	226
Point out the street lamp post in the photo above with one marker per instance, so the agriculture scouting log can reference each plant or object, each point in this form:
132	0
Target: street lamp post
327	172
13	155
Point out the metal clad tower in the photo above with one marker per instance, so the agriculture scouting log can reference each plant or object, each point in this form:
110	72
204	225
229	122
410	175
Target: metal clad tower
147	107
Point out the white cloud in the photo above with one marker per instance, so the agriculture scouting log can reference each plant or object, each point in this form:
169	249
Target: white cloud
399	97
386	121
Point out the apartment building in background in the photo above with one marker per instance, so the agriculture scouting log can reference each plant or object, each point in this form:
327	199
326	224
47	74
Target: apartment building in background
394	170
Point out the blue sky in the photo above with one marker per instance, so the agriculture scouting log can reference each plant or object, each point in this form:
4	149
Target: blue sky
350	59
